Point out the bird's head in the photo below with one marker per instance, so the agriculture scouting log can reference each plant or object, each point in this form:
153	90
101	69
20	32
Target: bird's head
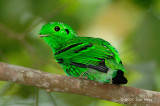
55	32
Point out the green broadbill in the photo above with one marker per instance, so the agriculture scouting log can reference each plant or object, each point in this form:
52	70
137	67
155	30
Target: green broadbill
85	57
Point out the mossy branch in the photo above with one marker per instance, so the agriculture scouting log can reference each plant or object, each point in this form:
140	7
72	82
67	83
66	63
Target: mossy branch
60	83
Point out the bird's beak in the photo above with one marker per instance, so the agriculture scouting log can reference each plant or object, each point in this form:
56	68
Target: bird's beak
42	35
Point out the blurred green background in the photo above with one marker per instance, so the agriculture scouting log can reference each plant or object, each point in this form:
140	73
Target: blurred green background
132	26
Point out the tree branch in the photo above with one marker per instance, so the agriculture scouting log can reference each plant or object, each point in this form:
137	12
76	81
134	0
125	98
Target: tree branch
60	83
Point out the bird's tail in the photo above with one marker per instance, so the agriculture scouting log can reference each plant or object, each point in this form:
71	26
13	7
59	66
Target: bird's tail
119	78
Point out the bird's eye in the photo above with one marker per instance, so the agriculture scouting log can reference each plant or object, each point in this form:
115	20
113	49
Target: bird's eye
57	28
67	31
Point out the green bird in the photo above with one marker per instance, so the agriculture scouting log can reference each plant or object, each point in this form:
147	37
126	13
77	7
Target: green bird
85	57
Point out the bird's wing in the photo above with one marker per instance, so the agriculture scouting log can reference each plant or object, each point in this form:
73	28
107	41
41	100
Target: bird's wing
116	58
89	53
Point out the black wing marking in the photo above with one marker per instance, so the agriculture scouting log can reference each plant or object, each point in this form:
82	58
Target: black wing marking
101	68
69	47
84	48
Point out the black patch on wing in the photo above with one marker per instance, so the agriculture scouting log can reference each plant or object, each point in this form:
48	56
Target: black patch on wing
79	65
65	49
100	68
119	78
84	48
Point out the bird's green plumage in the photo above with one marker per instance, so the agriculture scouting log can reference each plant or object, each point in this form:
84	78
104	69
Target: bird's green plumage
91	58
